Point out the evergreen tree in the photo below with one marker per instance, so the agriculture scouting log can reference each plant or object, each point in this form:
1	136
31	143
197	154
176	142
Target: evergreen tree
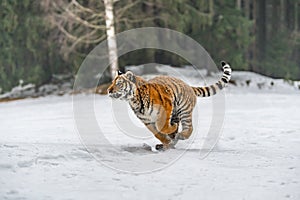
25	52
228	37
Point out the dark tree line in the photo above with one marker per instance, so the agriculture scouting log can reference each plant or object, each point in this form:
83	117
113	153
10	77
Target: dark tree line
276	45
42	38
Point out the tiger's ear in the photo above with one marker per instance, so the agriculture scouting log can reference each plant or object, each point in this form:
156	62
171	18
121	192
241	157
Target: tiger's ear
130	76
118	73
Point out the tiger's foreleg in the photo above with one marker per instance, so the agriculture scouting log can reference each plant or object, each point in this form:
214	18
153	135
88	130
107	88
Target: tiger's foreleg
165	139
163	125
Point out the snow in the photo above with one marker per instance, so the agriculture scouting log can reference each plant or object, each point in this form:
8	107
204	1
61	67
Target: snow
257	157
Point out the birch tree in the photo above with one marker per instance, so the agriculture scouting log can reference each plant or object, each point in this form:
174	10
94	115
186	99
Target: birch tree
81	26
111	37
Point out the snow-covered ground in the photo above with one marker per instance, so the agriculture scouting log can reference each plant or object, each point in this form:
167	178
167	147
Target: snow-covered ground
257	157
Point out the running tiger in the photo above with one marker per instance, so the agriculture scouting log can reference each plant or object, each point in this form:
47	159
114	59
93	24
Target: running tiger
163	102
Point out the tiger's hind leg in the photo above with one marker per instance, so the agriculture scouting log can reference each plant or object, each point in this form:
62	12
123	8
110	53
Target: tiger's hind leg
187	128
172	136
171	143
174	120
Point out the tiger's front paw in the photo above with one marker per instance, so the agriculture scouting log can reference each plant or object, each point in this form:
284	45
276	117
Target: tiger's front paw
163	147
159	147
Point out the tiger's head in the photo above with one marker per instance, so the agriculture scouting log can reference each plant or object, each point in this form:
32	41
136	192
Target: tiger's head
123	86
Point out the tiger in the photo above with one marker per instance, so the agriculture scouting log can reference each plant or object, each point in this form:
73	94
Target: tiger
164	102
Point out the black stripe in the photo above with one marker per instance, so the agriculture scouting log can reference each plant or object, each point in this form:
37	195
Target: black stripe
149	101
186	121
179	99
176	89
130	86
186	112
133	79
143	118
224	80
159	108
178	92
219	85
226	77
151	107
159	95
213	89
149	123
183	108
141	103
227	73
179	112
184	115
173	93
183	121
197	91
202	92
184	104
207	89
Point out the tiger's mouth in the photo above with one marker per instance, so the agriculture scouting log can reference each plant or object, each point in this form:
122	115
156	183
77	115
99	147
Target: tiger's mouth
115	95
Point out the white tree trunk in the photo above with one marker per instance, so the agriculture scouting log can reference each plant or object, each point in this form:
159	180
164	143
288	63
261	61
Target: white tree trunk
239	4
111	39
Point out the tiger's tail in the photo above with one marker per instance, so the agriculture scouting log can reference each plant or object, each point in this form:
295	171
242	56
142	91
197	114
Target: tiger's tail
210	90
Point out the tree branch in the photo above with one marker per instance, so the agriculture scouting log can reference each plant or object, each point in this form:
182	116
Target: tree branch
84	22
121	11
84	9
